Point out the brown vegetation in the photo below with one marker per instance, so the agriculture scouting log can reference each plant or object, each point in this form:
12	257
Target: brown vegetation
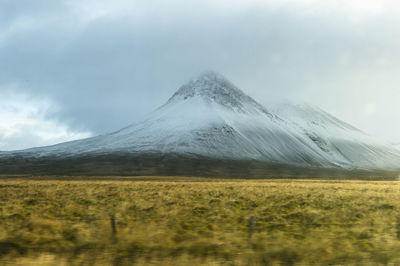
199	221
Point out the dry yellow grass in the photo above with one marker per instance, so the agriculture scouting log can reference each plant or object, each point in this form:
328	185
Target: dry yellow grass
199	221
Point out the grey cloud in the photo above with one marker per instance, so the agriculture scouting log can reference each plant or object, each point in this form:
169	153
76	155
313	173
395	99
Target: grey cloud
112	70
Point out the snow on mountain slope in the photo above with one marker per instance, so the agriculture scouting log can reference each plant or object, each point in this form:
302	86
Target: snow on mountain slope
209	116
340	140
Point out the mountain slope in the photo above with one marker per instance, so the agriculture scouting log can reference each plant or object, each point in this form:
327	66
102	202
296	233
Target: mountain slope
345	144
211	118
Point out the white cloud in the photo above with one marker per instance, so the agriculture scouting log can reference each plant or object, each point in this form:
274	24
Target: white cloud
370	108
25	122
90	10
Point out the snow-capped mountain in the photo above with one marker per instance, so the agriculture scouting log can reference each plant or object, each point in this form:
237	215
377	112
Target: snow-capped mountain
210	117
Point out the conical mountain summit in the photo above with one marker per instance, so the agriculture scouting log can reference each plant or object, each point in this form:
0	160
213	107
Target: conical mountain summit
215	87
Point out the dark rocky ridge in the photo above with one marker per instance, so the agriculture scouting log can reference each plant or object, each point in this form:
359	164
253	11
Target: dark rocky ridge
126	164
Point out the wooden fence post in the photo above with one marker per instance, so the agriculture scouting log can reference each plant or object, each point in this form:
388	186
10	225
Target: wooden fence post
113	228
251	228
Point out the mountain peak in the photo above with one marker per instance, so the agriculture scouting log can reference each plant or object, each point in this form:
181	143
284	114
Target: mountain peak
211	76
209	84
213	87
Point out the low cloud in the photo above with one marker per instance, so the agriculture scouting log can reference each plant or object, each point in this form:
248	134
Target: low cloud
25	122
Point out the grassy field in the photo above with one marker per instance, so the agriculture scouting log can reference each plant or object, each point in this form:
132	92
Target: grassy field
187	221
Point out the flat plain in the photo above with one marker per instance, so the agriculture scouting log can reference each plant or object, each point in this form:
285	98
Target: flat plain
198	221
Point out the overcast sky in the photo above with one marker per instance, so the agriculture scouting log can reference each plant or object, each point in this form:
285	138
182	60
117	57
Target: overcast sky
73	69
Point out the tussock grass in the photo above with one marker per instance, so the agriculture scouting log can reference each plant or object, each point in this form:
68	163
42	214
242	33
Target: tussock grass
196	222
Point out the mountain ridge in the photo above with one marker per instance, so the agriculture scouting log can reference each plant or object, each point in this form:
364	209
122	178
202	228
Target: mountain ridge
209	117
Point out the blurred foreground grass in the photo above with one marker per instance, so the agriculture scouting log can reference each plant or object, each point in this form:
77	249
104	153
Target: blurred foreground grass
199	221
